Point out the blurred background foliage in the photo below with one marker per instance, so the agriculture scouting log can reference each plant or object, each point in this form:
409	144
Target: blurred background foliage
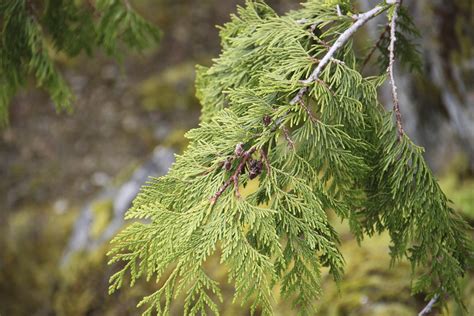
63	176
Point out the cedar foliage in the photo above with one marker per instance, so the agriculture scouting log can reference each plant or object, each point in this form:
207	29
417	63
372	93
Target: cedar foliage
31	32
337	151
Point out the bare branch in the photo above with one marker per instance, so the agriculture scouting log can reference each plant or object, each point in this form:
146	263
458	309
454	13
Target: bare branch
360	19
391	49
429	306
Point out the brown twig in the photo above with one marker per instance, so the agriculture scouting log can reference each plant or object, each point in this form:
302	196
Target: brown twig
286	133
323	43
234	178
263	153
321	82
312	29
279	125
308	111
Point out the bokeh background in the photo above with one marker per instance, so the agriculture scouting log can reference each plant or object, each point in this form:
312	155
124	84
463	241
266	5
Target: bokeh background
66	180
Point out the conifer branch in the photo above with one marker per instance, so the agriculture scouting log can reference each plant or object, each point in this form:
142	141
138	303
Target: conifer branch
429	306
357	165
391	49
360	19
320	41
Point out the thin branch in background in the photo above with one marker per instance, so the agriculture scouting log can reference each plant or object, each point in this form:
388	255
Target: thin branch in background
376	45
429	306
360	20
390	70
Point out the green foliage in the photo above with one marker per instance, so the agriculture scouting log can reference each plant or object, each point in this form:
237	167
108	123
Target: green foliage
261	174
421	223
32	32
